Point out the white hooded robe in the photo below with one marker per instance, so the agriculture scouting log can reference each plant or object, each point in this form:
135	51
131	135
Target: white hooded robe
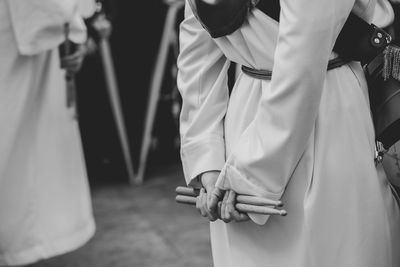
45	207
305	137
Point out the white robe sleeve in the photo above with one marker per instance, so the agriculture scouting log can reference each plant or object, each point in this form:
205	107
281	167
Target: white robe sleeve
202	82
268	151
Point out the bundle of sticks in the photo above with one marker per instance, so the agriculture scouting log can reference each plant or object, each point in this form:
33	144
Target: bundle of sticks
244	203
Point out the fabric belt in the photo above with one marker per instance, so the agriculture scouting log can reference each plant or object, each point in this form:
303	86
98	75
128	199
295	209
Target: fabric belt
267	74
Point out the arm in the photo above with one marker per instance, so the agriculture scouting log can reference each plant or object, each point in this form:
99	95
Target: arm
202	82
269	150
77	34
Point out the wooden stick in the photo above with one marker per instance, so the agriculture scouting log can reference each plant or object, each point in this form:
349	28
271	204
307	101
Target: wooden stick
245	199
243	208
187	191
113	92
258	201
156	83
185	200
259	209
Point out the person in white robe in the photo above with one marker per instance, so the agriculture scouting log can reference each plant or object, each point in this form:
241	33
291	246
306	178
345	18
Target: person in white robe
45	204
306	138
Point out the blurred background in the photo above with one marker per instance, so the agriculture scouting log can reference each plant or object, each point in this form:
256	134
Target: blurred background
138	222
135	41
128	110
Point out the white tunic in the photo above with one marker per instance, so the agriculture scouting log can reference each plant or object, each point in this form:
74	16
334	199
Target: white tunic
45	207
305	137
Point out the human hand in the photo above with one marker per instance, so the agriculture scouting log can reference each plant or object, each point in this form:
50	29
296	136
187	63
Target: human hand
209	196
72	63
228	211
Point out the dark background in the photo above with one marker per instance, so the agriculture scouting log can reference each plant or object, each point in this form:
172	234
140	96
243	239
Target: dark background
137	29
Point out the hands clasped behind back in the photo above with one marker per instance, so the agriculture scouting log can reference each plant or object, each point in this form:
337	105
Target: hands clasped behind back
215	203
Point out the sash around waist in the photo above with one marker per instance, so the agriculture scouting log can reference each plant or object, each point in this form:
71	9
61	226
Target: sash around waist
267	74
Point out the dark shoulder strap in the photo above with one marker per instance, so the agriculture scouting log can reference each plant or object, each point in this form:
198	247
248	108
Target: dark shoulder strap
222	18
271	8
358	40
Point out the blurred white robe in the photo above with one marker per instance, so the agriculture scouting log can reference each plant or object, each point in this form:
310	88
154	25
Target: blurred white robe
305	137
45	206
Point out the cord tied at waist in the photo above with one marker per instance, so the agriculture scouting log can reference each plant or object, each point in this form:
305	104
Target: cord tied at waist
267	74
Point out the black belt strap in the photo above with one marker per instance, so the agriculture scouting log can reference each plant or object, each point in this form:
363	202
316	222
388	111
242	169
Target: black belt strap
267	74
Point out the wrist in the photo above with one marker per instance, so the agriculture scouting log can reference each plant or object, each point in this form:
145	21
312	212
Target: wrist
208	179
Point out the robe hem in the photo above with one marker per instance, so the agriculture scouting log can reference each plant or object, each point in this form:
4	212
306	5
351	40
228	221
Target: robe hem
50	248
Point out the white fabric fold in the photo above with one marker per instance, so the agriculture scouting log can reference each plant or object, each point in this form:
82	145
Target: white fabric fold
38	25
384	14
306	138
203	85
204	155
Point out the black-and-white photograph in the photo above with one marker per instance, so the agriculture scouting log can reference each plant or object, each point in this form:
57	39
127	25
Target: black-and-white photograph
200	133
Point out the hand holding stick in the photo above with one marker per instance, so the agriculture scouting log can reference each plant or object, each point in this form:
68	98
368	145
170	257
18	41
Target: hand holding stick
244	203
71	58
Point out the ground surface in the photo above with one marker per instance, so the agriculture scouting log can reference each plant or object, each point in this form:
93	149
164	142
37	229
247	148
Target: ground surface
142	226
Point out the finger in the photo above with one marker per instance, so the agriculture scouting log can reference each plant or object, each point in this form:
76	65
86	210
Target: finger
214	197
212	211
218	193
73	69
219	207
75	66
203	204
223	208
224	216
233	213
78	56
230	204
70	65
71	61
74	56
198	200
199	203
240	217
204	207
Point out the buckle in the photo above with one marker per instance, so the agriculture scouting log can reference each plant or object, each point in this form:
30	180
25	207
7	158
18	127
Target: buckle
379	152
380	38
